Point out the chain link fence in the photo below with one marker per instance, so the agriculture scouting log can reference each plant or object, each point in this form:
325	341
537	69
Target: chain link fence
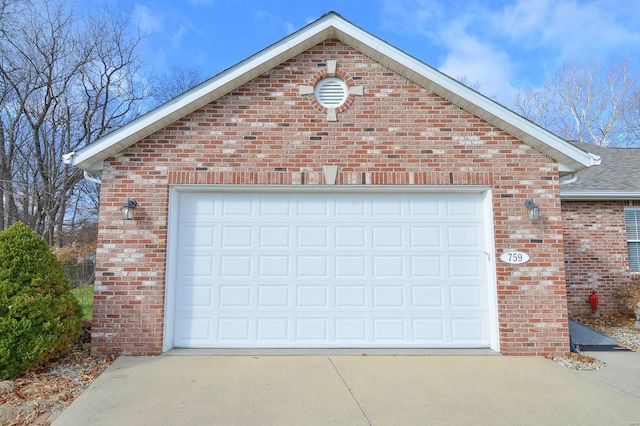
80	274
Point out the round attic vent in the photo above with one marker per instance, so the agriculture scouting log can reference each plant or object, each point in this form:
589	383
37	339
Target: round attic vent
331	92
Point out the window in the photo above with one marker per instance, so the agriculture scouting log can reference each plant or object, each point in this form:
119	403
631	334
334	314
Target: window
632	222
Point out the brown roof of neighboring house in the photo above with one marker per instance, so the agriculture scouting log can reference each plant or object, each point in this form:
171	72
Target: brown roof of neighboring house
617	176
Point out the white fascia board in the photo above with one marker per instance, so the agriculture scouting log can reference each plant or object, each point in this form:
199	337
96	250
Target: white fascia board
599	195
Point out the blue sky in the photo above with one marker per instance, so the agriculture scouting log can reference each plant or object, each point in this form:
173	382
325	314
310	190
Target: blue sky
502	45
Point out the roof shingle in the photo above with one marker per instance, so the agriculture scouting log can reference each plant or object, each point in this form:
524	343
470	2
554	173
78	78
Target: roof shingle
619	170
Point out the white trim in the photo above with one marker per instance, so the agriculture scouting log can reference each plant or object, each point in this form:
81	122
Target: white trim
172	237
332	25
494	325
598	195
171	271
330	188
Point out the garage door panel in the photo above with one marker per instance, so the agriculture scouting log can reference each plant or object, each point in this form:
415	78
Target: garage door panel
388	266
467	329
426	207
276	205
467	266
273	329
330	270
427	297
465	296
389	206
350	266
193	330
237	206
312	329
388	237
421	237
197	266
194	296
235	266
232	330
236	236
274	266
428	330
273	296
388	296
352	296
427	267
312	296
274	237
198	236
350	237
311	266
312	237
350	330
234	296
464	237
468	206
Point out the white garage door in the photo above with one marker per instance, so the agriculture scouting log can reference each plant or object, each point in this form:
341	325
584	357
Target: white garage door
337	270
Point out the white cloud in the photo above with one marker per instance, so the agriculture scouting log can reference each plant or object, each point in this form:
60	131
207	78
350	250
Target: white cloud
178	35
507	44
148	21
481	63
275	21
570	28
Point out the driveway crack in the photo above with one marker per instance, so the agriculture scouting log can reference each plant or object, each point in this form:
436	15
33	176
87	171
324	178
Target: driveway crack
351	392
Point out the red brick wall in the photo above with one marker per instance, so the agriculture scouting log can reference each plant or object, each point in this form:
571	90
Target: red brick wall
596	257
266	133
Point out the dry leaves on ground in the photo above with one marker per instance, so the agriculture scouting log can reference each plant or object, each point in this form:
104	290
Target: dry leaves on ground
28	400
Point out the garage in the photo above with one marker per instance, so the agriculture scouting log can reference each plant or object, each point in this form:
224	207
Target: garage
329	269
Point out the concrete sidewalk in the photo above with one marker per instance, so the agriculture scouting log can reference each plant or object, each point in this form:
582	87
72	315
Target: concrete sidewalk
622	371
347	390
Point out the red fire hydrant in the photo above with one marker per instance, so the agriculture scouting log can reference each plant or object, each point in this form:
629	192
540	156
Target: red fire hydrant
593	301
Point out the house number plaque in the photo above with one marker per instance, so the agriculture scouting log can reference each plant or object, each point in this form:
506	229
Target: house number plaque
515	257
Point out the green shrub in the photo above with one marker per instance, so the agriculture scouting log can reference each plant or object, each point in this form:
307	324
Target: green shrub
39	317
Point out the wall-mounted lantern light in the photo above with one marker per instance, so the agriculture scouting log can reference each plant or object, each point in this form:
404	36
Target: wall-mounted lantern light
533	210
127	209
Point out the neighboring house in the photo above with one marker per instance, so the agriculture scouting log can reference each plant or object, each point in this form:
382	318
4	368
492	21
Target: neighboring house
331	191
601	218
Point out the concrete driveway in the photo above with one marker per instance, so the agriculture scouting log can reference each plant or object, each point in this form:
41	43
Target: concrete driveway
347	390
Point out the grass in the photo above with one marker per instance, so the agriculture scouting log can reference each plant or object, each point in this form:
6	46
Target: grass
84	295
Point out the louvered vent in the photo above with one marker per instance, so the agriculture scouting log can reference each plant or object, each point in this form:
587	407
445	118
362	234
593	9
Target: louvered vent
331	92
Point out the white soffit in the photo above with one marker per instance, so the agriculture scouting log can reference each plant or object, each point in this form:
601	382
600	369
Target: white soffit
330	26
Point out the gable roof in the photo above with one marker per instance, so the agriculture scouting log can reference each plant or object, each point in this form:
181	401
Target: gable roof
332	26
616	178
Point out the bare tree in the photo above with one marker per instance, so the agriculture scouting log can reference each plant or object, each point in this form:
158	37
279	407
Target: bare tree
587	101
176	81
64	82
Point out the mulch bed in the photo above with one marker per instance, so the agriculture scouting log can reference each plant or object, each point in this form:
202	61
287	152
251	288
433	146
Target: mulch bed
38	397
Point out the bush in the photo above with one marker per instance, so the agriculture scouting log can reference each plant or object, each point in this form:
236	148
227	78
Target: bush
39	317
